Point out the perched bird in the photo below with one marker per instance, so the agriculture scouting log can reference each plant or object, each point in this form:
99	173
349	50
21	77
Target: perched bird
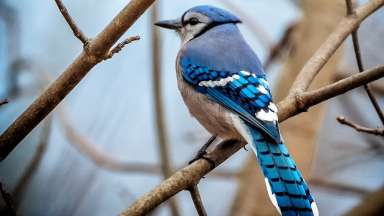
223	84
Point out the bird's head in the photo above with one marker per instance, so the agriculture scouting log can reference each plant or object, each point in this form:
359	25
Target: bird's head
197	20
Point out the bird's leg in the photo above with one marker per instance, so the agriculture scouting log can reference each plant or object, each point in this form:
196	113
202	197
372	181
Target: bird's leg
201	154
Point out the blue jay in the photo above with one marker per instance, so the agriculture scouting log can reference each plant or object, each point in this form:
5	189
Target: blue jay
223	84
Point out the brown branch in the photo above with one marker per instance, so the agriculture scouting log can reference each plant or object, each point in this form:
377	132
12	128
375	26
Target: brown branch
374	131
329	47
372	204
7	200
56	92
75	29
187	176
338	187
356	47
162	137
25	179
120	46
3	102
196	198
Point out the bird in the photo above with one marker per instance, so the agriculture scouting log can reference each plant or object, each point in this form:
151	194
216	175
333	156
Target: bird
224	86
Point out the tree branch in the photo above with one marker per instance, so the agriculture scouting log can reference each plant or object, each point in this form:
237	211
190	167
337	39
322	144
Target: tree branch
329	47
289	107
3	102
120	46
75	29
196	198
372	204
7	200
56	92
374	131
356	47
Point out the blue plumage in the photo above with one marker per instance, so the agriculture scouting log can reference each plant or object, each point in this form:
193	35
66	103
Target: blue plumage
216	62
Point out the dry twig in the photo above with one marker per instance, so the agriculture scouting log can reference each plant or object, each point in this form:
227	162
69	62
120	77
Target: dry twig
375	131
96	51
356	46
75	29
120	46
196	198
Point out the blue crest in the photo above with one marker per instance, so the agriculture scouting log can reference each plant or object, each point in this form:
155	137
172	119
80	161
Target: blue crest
217	15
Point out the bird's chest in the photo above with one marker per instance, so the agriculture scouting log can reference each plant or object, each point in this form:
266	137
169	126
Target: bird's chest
215	118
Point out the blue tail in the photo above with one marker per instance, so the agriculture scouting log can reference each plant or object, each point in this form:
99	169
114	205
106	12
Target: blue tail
286	187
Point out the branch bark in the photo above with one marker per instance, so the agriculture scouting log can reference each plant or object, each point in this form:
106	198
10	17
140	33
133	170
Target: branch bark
96	51
289	107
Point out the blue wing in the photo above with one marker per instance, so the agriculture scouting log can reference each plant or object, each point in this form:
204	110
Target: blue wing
242	92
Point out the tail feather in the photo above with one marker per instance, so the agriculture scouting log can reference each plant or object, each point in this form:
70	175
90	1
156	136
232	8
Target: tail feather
286	187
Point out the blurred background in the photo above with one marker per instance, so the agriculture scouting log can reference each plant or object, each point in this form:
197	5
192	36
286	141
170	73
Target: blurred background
99	150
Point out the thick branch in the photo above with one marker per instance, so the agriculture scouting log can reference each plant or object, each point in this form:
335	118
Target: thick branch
189	175
374	131
75	72
196	198
7	200
75	29
324	53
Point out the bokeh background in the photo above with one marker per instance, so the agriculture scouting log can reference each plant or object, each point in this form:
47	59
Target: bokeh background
98	151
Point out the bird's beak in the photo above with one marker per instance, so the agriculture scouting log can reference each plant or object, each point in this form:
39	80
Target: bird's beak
170	24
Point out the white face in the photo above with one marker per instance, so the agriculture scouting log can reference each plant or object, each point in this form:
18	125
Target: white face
193	24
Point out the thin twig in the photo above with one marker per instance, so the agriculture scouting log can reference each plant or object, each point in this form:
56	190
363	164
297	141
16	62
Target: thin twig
196	198
75	29
374	131
72	75
356	46
162	137
120	46
3	102
7	200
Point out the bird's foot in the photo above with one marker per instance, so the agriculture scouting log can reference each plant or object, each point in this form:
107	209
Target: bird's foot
202	153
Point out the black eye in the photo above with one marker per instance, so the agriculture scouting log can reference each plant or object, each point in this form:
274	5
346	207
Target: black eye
193	21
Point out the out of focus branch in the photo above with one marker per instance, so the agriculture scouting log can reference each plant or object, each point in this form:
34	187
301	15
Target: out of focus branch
32	167
75	29
356	46
324	53
371	205
96	51
375	131
196	198
335	186
7	200
162	137
3	102
262	35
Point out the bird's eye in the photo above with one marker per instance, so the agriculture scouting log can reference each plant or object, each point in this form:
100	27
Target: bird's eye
193	21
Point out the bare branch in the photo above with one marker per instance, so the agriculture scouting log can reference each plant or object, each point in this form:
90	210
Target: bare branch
120	46
196	198
374	131
372	204
340	187
3	102
356	46
56	92
75	29
7	200
329	47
